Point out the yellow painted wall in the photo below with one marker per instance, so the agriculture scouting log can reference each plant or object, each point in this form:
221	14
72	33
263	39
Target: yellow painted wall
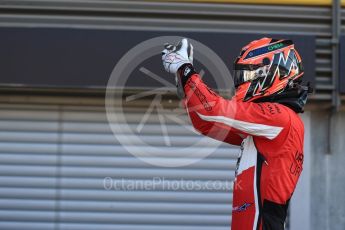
273	2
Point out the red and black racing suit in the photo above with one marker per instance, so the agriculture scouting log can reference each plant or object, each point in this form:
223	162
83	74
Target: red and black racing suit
271	136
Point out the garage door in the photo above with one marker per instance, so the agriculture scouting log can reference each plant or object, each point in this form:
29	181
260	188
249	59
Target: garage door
63	168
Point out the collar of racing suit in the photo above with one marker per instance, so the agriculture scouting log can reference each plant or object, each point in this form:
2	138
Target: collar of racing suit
295	97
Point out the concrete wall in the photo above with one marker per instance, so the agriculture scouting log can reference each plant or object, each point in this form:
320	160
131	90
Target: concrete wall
327	172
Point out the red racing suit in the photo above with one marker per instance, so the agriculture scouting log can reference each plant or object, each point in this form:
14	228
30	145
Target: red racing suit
270	163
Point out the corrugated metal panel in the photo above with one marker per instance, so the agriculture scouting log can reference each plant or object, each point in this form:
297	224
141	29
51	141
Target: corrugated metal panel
54	158
28	168
143	15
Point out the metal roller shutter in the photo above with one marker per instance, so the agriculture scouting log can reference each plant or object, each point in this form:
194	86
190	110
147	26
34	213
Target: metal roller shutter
28	171
54	159
144	15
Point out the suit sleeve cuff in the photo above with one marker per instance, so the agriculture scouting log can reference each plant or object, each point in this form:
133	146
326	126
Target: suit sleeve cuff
185	72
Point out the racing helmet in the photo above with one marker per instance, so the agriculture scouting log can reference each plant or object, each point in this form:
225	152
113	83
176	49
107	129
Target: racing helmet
266	67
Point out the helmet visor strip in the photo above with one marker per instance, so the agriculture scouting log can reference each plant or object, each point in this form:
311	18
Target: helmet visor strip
242	76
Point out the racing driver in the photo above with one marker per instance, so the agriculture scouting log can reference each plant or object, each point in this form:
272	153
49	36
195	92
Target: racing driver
262	117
